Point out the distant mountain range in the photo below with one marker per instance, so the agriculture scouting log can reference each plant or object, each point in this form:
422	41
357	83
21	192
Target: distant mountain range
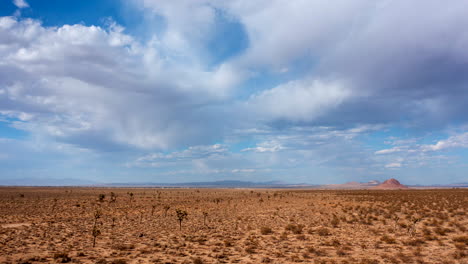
389	184
216	184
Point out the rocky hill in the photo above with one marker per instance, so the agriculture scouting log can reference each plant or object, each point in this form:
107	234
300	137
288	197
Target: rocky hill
390	184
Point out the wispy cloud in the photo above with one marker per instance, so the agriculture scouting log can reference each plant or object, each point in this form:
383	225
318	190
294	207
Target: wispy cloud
393	165
271	146
454	141
20	3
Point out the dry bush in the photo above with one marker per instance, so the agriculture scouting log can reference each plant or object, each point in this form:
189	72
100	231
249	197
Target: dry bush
388	240
62	257
295	229
461	239
198	260
323	231
266	230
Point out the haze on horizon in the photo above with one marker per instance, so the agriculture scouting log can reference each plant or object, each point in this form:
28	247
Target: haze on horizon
202	90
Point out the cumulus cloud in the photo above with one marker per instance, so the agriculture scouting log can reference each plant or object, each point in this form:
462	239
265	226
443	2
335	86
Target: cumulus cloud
391	62
99	87
302	100
312	79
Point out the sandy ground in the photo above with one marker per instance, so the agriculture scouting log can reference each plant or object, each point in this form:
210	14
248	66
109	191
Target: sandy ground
56	225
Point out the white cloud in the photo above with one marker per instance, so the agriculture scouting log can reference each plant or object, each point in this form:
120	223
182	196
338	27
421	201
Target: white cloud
389	151
298	100
20	3
455	141
189	155
393	165
269	146
326	67
243	170
77	83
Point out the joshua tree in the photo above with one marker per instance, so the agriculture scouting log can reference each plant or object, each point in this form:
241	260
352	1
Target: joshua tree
181	216
152	209
96	231
113	197
166	208
54	205
395	218
412	226
205	215
141	215
113	222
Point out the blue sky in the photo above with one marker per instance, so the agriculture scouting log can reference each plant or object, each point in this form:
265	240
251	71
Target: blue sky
181	91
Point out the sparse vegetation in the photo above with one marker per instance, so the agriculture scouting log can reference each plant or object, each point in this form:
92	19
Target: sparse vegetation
266	230
96	231
289	226
181	216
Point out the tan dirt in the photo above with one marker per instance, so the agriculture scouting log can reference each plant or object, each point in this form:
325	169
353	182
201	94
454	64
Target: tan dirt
51	225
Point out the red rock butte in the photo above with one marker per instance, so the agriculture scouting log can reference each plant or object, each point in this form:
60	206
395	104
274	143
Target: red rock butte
390	184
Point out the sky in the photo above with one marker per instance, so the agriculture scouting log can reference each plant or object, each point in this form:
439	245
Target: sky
306	91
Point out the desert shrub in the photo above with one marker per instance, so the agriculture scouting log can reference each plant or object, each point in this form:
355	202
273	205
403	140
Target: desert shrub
323	231
461	239
316	252
335	243
295	229
335	221
250	249
404	258
459	254
369	261
62	257
283	236
197	261
301	237
266	230
460	246
113	197
441	231
387	239
228	243
123	247
415	242
340	252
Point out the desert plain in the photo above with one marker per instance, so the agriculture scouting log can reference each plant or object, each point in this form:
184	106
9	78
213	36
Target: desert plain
149	225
